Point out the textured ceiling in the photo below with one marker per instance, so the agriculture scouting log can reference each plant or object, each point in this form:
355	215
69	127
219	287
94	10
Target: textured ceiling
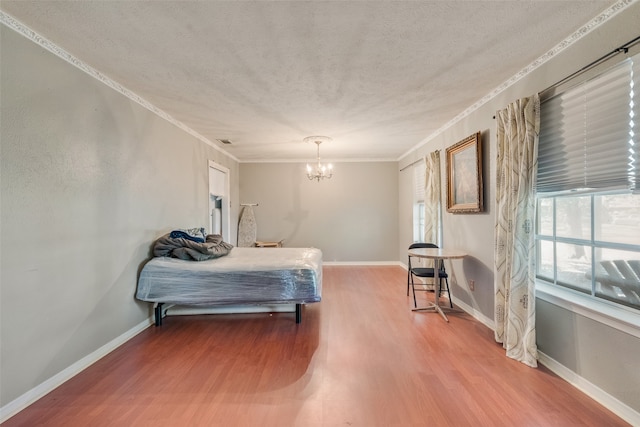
378	77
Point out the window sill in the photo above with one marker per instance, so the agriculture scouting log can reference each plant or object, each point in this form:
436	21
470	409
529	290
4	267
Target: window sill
618	317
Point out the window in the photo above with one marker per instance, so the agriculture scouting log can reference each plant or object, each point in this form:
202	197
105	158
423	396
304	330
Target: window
418	222
588	203
419	176
590	243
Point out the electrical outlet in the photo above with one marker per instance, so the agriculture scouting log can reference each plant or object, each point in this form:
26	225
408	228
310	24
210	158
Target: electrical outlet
472	285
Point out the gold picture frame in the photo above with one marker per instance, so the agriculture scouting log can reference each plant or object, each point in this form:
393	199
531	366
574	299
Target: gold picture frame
464	176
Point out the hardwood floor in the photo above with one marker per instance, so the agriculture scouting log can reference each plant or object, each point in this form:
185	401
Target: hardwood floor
361	357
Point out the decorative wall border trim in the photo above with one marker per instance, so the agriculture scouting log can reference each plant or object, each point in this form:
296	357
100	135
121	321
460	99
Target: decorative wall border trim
43	42
329	160
577	35
25	31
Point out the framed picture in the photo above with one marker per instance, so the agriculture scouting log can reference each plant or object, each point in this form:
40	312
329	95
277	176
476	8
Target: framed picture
464	176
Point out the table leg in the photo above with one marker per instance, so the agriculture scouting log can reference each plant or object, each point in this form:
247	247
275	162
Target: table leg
435	306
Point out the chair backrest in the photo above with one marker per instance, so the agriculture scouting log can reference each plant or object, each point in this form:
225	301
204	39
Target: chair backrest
424	245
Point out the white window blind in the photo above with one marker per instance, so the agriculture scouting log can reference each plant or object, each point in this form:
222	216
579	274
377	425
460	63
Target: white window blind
634	144
419	176
589	134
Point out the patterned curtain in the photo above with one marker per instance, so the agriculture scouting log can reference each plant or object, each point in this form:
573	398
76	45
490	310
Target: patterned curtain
517	136
432	198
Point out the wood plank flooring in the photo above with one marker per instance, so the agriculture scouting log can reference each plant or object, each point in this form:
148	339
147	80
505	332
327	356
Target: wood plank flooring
361	357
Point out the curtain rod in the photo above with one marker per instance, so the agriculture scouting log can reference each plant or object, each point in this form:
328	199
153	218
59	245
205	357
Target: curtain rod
411	164
622	49
415	161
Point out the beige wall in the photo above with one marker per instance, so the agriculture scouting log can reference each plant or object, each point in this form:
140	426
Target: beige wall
88	180
474	232
351	217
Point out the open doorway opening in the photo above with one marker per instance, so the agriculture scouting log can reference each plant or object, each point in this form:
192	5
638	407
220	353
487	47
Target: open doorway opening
219	201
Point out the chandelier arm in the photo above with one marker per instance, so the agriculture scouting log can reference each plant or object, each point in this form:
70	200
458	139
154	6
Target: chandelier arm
322	171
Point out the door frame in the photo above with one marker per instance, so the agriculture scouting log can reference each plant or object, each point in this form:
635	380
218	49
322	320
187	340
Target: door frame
226	199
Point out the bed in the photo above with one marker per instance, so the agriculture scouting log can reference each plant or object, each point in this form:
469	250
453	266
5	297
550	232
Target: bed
247	276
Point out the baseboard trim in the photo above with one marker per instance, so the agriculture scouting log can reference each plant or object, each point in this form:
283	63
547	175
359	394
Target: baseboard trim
596	393
614	405
353	263
21	402
489	323
602	397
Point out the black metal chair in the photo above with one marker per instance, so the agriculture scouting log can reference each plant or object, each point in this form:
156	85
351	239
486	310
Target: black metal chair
426	272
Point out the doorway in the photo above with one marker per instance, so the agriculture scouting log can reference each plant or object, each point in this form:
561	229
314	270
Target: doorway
219	201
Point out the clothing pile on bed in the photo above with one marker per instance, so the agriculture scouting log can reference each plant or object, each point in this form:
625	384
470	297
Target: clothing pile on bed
195	234
191	244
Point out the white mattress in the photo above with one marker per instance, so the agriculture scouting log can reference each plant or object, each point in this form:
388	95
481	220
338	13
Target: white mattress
245	276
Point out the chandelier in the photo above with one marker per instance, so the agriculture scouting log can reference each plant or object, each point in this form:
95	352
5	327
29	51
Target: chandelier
319	171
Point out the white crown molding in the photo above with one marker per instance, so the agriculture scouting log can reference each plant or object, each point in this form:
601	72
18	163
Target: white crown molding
25	31
43	42
335	161
596	22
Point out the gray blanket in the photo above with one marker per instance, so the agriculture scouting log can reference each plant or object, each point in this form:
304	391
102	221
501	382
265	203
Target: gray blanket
182	248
